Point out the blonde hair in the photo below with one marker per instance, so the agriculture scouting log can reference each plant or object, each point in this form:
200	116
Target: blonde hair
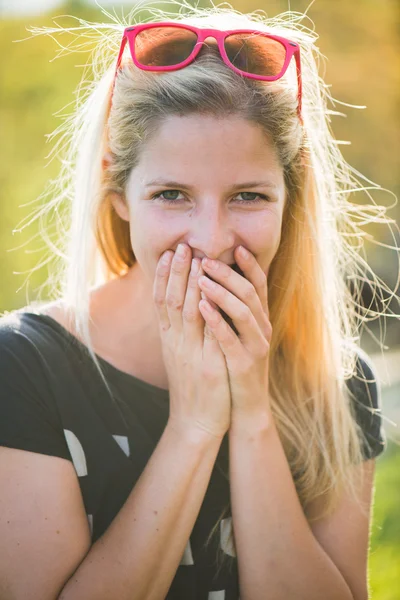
315	317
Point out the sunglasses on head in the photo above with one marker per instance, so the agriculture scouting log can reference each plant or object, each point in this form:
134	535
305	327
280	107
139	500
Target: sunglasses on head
171	46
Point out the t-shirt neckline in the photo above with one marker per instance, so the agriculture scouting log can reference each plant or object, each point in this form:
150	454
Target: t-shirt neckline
113	371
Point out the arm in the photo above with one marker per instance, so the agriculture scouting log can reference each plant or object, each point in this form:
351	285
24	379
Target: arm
150	533
278	555
49	535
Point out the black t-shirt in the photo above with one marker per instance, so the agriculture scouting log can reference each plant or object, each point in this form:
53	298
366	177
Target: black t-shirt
53	401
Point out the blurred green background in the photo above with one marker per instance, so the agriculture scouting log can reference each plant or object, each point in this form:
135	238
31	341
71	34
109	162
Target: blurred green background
360	41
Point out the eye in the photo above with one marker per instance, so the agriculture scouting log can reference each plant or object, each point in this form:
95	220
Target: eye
166	200
261	198
254	197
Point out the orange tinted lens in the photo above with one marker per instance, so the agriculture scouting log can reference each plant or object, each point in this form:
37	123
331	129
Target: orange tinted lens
164	46
255	53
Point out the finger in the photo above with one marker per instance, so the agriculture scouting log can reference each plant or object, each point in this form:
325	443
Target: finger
254	274
217	329
249	332
177	285
193	322
240	287
160	289
205	297
211	346
236	356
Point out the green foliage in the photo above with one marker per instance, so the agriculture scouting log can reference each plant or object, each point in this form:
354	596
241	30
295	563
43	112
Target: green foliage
384	563
34	88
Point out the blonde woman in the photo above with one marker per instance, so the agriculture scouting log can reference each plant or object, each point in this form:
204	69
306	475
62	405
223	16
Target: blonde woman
161	436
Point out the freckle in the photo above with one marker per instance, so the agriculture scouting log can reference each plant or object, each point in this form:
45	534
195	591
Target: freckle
58	531
8	521
156	512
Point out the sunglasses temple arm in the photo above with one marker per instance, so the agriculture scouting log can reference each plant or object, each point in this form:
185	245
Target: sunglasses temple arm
119	59
299	84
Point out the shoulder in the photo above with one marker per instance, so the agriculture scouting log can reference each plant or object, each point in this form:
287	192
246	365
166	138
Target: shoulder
364	383
23	335
29	416
17	336
31	350
25	347
366	404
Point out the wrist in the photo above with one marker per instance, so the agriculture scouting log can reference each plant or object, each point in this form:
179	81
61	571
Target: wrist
194	433
251	422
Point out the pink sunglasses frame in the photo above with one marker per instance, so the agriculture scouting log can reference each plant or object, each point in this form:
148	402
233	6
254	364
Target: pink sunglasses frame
292	49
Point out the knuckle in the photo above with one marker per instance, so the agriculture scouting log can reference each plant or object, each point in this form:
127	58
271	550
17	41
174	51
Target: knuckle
209	374
244	368
262	279
190	315
230	338
244	315
192	281
208	333
159	300
174	303
267	328
262	351
177	267
249	293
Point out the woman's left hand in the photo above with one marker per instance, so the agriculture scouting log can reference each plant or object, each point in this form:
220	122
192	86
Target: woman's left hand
245	301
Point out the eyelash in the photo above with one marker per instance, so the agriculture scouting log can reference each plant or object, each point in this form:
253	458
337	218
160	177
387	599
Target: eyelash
263	197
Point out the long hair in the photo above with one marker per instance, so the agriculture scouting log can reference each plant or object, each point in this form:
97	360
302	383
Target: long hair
315	316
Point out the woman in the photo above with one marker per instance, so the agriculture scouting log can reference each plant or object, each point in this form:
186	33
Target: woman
146	415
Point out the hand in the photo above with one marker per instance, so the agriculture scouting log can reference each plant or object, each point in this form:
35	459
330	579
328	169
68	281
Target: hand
245	301
195	364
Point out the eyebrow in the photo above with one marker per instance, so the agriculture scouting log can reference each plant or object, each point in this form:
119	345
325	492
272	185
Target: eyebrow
245	184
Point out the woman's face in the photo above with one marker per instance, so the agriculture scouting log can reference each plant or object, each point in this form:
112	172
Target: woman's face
202	181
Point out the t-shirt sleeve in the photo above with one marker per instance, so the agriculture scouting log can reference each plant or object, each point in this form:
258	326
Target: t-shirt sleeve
367	404
29	418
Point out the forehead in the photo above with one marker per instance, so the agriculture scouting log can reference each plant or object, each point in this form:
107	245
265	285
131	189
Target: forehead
210	145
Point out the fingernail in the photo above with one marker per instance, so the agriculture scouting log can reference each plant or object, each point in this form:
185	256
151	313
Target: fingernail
166	258
195	267
211	264
204	297
181	251
243	252
206	306
207	282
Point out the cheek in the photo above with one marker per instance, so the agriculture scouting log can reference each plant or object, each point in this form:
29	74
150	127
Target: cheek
262	237
263	233
152	232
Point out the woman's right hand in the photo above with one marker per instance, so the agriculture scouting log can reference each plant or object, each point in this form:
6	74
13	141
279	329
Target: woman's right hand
195	364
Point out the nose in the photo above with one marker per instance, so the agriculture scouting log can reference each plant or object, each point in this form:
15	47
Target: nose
211	235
